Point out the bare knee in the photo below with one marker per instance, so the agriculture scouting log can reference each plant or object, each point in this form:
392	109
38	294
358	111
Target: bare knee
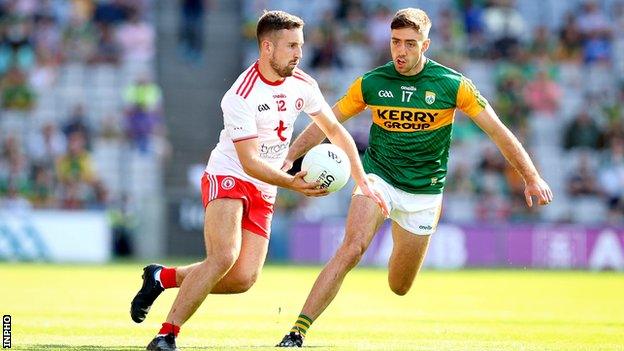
400	287
351	253
222	261
242	283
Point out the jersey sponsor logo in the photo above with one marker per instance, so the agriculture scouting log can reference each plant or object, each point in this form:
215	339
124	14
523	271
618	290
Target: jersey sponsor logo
299	104
272	152
280	129
406	115
430	97
385	94
227	183
401	119
408	88
279	96
263	107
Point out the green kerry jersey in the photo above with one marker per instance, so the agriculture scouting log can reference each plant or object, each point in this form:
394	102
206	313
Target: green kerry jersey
413	117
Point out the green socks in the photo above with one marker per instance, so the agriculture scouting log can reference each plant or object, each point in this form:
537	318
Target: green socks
301	325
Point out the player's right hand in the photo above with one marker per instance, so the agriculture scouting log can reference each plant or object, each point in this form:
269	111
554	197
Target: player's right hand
308	189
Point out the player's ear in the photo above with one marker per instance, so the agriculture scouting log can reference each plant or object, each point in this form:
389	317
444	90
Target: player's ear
425	46
266	45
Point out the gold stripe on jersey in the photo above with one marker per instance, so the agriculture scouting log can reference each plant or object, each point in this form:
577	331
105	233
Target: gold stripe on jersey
469	100
401	119
352	102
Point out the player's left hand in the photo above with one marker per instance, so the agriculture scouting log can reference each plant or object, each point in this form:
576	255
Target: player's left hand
288	164
540	189
367	190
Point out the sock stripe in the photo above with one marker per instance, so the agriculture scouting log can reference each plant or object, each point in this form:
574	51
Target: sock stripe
304	317
302	323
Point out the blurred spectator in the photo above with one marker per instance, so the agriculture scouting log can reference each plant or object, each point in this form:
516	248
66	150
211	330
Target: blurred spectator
108	50
460	182
16	93
136	38
45	74
490	178
140	126
191	28
596	31
75	173
46	146
542	94
79	39
611	175
582	180
110	12
379	34
542	44
143	93
123	222
583	131
509	102
474	28
16	49
42	194
14	170
570	47
504	27
324	52
77	122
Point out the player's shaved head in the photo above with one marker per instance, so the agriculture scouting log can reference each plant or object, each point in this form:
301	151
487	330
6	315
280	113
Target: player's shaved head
410	17
273	21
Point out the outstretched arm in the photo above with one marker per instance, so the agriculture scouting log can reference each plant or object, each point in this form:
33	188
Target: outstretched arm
516	155
338	135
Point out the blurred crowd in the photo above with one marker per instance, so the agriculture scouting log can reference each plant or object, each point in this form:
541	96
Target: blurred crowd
553	71
49	47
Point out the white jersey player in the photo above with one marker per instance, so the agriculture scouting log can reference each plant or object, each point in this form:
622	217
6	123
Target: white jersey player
238	188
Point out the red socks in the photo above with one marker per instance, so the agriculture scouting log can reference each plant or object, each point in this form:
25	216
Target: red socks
168	278
168	328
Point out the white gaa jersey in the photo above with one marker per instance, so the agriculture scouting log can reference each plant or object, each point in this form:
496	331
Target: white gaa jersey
257	108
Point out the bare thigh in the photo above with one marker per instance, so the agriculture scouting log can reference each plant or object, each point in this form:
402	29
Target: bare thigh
408	254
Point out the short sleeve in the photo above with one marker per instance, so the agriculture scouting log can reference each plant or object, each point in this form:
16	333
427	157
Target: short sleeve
315	100
469	100
352	102
238	118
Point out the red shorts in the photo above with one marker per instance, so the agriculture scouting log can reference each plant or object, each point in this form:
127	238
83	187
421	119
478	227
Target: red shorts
257	213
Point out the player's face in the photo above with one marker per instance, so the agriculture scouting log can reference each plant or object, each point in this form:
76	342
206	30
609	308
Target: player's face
407	47
286	52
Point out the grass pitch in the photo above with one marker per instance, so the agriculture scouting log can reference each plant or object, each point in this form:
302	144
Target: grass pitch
86	308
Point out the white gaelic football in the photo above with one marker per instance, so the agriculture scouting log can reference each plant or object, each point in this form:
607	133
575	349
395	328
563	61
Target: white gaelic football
327	164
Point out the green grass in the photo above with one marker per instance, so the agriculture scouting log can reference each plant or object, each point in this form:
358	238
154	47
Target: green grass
86	308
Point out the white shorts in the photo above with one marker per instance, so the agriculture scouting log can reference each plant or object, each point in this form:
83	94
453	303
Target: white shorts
416	213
